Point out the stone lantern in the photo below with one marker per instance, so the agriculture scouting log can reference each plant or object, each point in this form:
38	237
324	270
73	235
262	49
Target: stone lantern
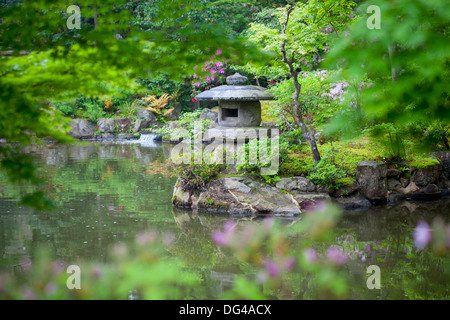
239	105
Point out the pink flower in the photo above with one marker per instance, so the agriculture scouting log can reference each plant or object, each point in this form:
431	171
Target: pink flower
336	255
213	71
223	238
422	235
229	226
220	238
221	71
289	263
310	255
219	52
197	84
219	64
272	269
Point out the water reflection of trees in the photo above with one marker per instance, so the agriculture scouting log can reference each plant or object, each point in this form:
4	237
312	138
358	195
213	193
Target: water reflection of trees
103	193
384	236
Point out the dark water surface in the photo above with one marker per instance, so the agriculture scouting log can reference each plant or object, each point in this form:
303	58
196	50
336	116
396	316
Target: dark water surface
108	193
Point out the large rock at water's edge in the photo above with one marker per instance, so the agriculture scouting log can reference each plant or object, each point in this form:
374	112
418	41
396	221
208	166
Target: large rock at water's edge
296	184
392	173
355	202
372	180
394	184
81	129
411	187
426	176
105	125
430	192
310	201
239	196
347	190
444	157
180	197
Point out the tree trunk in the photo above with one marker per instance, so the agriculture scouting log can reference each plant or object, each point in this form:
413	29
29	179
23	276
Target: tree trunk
312	142
294	75
299	117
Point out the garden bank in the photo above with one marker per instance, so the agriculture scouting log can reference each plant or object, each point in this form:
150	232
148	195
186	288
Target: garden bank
375	184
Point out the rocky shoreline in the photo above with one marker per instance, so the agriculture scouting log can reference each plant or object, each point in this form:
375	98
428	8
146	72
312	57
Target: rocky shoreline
109	129
375	185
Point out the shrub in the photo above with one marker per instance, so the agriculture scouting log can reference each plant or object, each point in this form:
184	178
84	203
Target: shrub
128	110
326	172
251	160
196	177
186	121
293	167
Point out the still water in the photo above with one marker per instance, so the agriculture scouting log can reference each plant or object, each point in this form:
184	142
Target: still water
108	193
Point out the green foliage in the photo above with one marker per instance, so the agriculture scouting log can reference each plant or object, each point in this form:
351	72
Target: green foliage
194	174
46	61
160	83
185	126
317	102
275	252
424	162
326	171
430	135
255	155
392	137
305	36
140	269
129	110
292	166
196	177
406	61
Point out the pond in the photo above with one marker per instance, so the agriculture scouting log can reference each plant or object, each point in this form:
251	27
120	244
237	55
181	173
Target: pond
108	193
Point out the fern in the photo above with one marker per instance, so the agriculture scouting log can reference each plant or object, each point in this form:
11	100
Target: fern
157	105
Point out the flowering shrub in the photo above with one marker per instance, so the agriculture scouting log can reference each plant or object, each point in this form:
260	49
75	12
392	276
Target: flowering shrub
140	270
275	252
213	73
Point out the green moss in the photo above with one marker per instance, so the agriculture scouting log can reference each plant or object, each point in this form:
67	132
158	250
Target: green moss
347	181
230	175
266	112
293	166
425	162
